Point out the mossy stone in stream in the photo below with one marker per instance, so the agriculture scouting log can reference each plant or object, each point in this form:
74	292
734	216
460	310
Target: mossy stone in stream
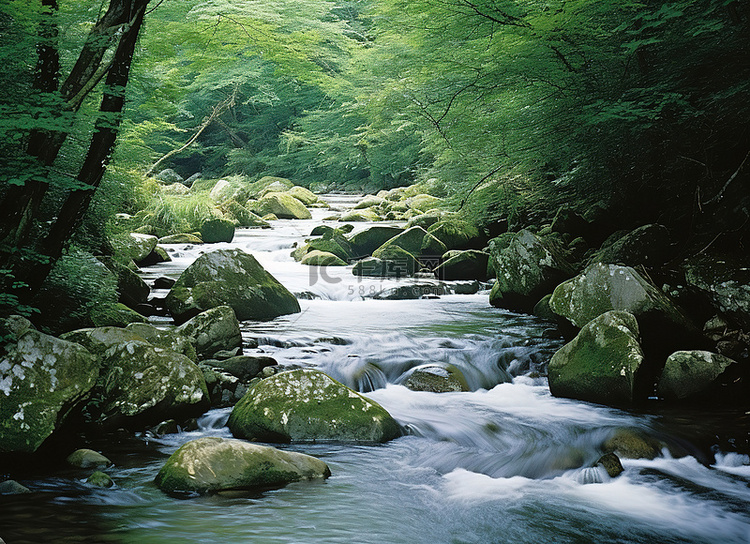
217	230
308	405
42	378
321	258
306	196
100	479
702	375
366	215
86	458
212	464
398	261
365	242
212	331
465	265
229	277
436	379
181	238
601	364
282	205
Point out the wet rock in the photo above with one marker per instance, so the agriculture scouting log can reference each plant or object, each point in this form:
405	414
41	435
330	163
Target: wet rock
611	463
282	205
164	283
212	331
245	367
85	458
724	281
332	242
602	363
182	238
233	278
321	258
157	256
365	242
702	375
411	292
647	245
457	234
366	215
242	216
217	230
399	262
12	487
527	269
133	290
42	379
604	287
466	265
306	196
169	426
172	340
542	309
435	379
307	405
633	444
100	479
210	465
114	315
133	246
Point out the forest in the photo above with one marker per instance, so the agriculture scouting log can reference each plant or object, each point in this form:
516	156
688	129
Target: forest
632	110
374	271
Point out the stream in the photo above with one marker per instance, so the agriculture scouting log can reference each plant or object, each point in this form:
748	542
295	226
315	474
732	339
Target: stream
505	462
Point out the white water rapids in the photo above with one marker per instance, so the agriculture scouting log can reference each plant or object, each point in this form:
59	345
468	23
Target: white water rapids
504	463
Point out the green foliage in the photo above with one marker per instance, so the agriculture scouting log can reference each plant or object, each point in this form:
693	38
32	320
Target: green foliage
172	214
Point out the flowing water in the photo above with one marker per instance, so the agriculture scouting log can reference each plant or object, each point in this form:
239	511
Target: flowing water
504	463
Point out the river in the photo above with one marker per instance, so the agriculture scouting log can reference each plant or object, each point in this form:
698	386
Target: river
503	463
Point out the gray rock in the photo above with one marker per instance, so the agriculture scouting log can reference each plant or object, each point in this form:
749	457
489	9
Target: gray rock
435	379
702	375
86	458
245	367
42	379
168	176
527	269
210	465
212	331
602	363
12	487
229	277
307	405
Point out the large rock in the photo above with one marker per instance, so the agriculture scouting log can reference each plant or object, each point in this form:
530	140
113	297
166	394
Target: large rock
244	367
604	287
414	240
242	216
723	280
269	184
456	234
466	265
365	242
377	268
602	363
332	242
134	246
702	376
114	315
172	339
212	464
436	379
141	383
282	205
321	258
42	379
647	245
527	269
307	405
306	196
229	277
399	262
212	331
217	230
182	238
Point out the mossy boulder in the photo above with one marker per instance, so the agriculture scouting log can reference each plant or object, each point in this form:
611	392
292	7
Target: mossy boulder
435	379
647	245
632	444
269	184
133	246
365	242
217	230
691	376
399	262
244	367
306	196
527	269
602	363
369	201
212	464
414	240
604	287
282	205
322	258
466	265
365	215
140	383
332	242
86	458
114	314
308	405
212	331
242	216
456	234
224	190
424	203
724	281
181	238
170	339
42	378
229	277
100	479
